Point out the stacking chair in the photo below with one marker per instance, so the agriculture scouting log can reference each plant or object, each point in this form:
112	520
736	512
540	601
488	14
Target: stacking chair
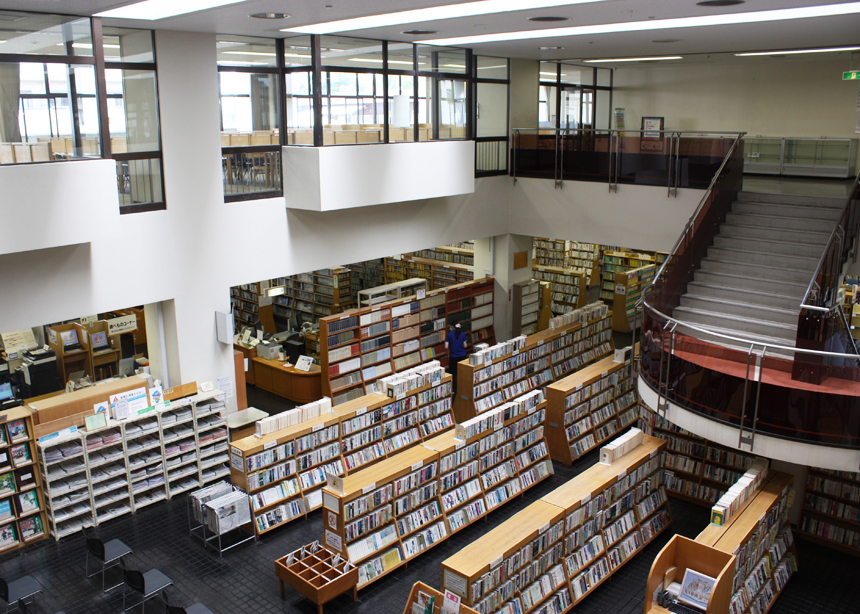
197	608
109	554
15	593
148	584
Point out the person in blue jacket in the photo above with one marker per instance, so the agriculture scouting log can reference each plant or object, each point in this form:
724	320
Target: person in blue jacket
455	343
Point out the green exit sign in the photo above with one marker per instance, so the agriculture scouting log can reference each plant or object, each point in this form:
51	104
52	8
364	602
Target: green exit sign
851	75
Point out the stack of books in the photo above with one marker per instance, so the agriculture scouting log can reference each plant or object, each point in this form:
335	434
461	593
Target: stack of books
620	446
740	492
292	417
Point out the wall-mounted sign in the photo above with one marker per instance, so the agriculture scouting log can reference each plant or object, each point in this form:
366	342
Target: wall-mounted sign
124	324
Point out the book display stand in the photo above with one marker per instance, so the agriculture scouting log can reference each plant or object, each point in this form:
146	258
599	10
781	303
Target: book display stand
317	573
418	602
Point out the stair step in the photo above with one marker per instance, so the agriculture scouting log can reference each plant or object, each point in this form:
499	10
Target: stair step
745	282
757	271
785	333
793	199
741	309
751	297
747	339
777	221
758	256
769	245
807	237
786	210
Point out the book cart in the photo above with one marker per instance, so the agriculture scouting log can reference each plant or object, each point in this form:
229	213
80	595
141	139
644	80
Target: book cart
23	517
317	573
578	536
383	516
588	407
363	345
546	356
415	599
284	471
752	555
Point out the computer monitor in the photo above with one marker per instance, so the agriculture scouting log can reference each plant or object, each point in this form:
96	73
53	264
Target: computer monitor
69	337
6	392
696	589
126	367
99	340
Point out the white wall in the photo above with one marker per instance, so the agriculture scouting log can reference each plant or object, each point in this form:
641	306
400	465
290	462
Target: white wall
52	205
789	96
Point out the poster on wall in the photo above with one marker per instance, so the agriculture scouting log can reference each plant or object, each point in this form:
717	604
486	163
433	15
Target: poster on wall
652	134
619	120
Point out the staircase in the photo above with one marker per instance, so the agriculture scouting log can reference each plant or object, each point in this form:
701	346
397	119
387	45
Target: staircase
754	277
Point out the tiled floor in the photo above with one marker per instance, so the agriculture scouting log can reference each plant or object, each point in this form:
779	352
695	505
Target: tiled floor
244	581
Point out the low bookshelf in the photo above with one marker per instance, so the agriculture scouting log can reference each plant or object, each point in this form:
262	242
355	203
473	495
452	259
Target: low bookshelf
385	515
560	548
589	407
284	471
417	603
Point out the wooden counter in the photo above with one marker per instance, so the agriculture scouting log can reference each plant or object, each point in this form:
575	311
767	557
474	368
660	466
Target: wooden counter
288	382
248	354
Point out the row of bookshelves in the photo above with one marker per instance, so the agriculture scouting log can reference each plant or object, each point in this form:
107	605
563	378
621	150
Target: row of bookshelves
362	345
284	471
556	551
831	509
544	357
568	287
93	476
385	515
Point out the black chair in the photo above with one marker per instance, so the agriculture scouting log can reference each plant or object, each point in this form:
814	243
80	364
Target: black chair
197	608
109	554
16	592
148	584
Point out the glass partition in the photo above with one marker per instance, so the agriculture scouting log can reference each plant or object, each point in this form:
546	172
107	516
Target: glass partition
401	101
128	46
42	34
297	51
300	111
441	59
491	68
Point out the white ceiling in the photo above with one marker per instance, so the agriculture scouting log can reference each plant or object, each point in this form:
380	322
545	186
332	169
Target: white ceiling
233	19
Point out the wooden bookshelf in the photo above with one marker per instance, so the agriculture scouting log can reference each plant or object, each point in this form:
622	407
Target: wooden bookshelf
830	509
362	345
696	470
585	256
589	407
23	518
614	262
547	355
284	471
626	292
385	515
752	555
568	286
549	252
438	600
526	308
579	534
245	300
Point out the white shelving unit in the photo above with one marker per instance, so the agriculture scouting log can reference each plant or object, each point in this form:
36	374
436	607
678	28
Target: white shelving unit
92	477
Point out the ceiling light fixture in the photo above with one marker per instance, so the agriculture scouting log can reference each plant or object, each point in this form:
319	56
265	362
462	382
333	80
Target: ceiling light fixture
797	51
375	61
269	15
550	48
667	40
665	57
720	2
489	67
152	10
548	19
419	32
268	53
451	11
805	12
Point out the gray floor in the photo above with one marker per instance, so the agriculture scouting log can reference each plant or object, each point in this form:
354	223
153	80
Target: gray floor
805	186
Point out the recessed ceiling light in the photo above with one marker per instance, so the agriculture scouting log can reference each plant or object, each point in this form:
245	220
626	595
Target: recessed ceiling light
719	2
666	57
267	53
666	40
419	32
269	15
776	15
152	10
433	13
550	48
797	51
548	19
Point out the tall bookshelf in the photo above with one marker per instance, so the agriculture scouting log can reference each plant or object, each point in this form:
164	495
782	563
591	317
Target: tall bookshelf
549	252
94	476
526	308
696	470
23	518
310	296
557	550
620	262
284	471
585	256
831	509
546	356
626	292
362	345
245	300
448	254
384	516
568	286
589	407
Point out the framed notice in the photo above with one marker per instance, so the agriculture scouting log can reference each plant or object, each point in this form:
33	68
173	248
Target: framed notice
652	134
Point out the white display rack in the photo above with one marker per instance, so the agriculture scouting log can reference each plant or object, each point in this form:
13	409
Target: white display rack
130	464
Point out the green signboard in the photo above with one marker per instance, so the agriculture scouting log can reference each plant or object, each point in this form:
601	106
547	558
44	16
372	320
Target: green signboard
851	75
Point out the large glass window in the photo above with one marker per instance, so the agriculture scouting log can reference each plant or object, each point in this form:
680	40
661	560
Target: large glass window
491	115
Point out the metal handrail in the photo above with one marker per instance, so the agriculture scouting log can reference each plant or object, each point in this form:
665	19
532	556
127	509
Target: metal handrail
738	137
833	233
625	130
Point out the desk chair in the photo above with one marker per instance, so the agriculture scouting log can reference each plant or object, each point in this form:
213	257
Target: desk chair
109	554
15	593
148	584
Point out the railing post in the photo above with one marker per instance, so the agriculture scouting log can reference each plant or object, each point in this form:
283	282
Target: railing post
670	166
514	156
677	162
757	378
559	182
